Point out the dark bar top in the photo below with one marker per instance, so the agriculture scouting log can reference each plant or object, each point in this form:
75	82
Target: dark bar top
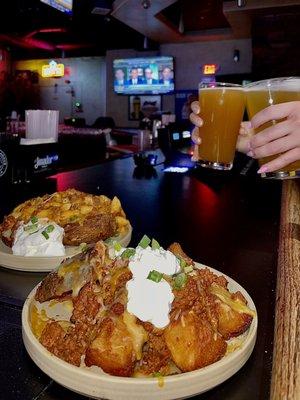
223	219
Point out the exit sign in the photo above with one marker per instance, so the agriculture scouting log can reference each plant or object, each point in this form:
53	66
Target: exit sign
209	69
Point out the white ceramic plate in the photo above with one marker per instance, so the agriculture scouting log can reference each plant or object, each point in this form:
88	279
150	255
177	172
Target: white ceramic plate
45	264
99	385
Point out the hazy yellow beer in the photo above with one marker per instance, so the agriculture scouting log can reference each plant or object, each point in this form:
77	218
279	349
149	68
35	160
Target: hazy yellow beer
265	93
222	107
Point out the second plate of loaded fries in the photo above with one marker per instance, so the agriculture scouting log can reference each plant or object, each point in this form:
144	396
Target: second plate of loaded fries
41	232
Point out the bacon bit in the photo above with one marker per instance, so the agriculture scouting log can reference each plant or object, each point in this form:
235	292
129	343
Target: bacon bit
117	308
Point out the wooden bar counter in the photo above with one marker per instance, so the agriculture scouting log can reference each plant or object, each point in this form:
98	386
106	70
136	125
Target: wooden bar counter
286	357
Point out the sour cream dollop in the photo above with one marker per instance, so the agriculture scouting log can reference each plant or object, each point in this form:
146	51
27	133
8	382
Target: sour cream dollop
151	301
39	237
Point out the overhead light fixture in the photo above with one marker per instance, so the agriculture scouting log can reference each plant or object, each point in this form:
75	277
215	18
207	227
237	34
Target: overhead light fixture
145	43
181	21
101	7
241	3
236	55
146	4
181	24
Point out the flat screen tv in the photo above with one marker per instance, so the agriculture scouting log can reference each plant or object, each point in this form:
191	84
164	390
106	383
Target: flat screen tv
65	6
149	75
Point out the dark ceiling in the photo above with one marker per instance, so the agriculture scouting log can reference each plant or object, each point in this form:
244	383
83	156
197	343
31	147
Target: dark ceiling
276	42
275	30
92	33
197	15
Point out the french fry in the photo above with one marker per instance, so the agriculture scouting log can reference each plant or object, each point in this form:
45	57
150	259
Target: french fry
121	221
115	205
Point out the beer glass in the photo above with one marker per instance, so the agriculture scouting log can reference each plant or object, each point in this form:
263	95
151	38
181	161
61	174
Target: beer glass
262	94
221	108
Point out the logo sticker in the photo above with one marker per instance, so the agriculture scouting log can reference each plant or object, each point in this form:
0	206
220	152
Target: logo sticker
3	163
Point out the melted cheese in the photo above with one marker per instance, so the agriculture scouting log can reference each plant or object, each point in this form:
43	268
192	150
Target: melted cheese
69	267
138	334
160	381
114	279
225	297
38	321
75	275
234	345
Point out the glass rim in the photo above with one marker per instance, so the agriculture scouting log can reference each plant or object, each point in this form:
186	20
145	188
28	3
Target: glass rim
281	79
207	85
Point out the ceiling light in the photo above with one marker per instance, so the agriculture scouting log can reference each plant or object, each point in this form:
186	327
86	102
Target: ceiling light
181	24
236	55
146	4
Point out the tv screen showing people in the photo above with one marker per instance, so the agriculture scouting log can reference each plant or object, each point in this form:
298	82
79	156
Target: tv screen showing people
153	75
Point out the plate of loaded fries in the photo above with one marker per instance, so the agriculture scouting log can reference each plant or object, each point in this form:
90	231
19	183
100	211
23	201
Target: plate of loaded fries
42	232
138	323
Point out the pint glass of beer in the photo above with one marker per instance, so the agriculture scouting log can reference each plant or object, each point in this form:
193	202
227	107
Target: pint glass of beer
262	94
221	108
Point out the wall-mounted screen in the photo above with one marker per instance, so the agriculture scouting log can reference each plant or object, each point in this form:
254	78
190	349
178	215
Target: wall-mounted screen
151	75
61	5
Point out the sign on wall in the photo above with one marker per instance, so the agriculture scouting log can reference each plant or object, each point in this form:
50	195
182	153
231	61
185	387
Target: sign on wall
209	69
53	70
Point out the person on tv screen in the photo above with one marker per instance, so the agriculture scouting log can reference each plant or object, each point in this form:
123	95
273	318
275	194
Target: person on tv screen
135	78
149	77
120	77
167	78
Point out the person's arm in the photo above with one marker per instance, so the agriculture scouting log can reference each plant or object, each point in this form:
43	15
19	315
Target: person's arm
282	138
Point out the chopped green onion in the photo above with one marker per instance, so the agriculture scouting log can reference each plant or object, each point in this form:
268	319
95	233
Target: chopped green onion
73	218
157	374
45	234
49	228
155	276
34	219
83	247
145	241
188	269
128	253
182	263
155	245
31	228
117	246
180	281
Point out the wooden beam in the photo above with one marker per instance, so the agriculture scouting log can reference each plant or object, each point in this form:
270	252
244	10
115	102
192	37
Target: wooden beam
286	357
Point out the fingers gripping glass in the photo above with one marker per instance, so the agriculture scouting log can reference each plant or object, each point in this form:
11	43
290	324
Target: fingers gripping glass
221	108
262	94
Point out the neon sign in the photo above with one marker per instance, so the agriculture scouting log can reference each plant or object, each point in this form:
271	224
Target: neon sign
209	69
53	70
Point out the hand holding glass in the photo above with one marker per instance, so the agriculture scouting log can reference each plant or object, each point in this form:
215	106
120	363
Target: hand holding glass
222	107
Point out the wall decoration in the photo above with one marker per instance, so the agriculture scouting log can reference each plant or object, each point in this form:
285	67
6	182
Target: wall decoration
183	101
143	106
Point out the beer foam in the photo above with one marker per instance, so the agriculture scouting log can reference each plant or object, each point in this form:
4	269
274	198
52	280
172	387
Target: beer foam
222	88
289	85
